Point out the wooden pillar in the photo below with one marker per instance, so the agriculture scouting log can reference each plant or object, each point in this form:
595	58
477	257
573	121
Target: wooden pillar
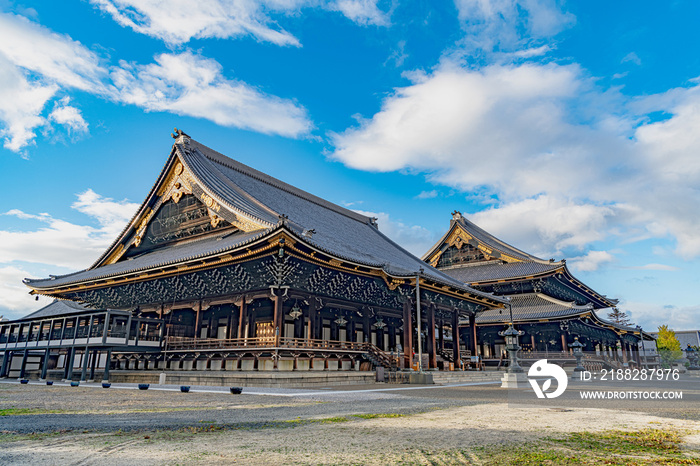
334	330
366	329
299	327
197	321
69	363
83	373
44	365
456	355
392	337
229	324
432	357
23	367
351	331
564	347
313	311
5	368
472	333
407	335
93	364
108	362
441	335
242	316
277	318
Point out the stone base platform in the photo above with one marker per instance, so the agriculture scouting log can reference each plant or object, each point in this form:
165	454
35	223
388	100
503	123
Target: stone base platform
287	379
443	378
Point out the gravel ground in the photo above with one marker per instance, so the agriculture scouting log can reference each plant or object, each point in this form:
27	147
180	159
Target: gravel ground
92	408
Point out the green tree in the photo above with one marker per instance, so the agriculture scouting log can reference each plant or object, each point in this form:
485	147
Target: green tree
668	345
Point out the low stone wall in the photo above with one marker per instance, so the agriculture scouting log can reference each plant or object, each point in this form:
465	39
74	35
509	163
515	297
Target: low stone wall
278	379
442	378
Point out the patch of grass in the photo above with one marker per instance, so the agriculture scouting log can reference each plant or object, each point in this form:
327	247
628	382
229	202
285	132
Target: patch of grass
649	440
378	415
9	436
613	447
23	411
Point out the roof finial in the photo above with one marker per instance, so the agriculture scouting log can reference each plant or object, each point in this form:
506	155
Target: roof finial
456	215
283	219
180	136
373	221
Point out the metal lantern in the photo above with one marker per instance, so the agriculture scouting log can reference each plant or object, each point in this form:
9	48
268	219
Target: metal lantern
511	337
295	312
340	321
578	354
692	356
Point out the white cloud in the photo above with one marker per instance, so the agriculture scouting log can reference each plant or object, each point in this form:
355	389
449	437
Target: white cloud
471	128
15	295
547	225
413	238
427	194
21	105
189	84
36	64
633	58
551	146
178	21
64	244
56	57
69	117
651	315
362	12
591	261
668	268
510	24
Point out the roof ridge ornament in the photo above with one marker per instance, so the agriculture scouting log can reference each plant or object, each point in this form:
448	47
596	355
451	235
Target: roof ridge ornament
283	219
180	136
456	215
373	222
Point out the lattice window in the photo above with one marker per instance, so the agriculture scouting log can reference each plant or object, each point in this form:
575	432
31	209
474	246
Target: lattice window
455	256
176	221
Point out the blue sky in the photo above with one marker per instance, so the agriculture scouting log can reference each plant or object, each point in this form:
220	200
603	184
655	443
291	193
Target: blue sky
566	129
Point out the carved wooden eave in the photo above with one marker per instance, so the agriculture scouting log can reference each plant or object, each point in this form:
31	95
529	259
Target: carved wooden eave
269	244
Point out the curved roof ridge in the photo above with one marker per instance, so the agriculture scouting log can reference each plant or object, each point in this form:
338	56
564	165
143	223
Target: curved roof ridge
571	304
138	212
184	153
488	238
228	162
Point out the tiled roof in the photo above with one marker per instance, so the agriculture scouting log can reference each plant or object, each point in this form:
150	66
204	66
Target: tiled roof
157	258
532	306
492	242
496	270
56	308
338	231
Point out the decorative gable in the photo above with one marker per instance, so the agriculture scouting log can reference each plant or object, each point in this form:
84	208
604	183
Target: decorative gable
180	207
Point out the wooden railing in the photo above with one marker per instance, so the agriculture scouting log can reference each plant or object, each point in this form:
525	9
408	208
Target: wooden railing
180	344
545	355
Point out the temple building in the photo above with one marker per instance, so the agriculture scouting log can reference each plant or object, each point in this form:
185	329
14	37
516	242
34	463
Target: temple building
226	268
548	303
